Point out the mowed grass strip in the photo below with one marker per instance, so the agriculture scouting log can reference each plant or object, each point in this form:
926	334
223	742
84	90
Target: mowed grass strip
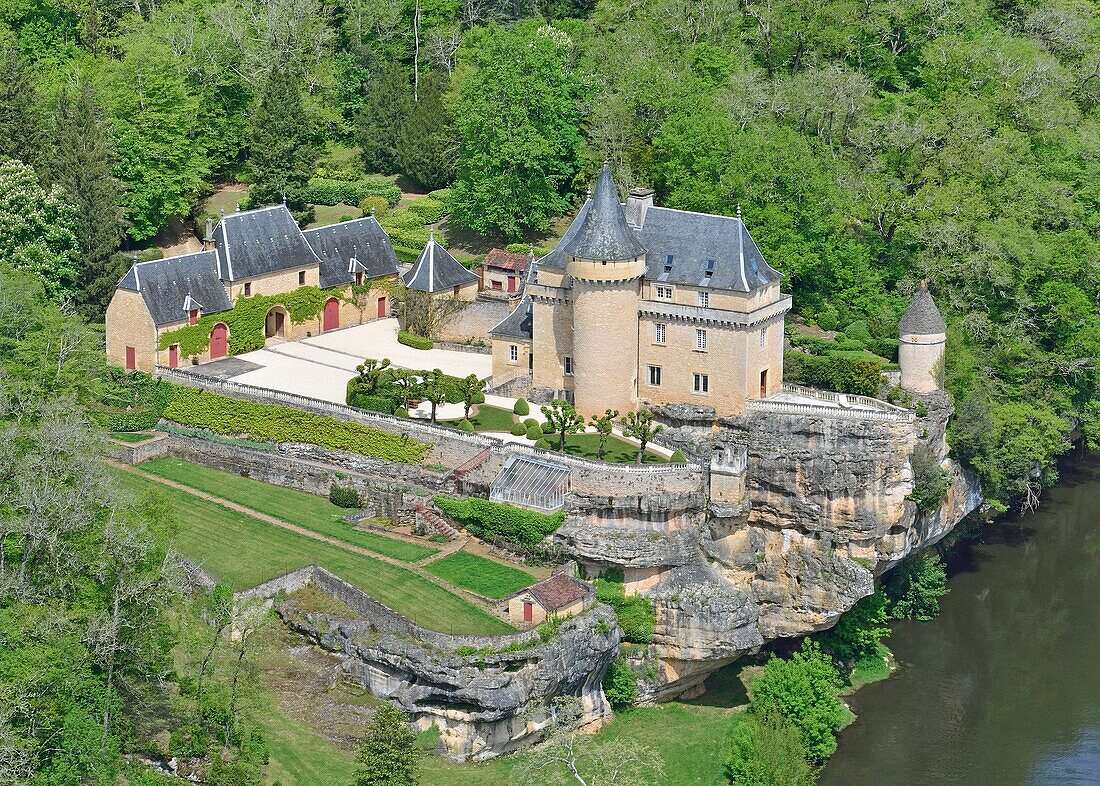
488	418
243	551
314	513
483	576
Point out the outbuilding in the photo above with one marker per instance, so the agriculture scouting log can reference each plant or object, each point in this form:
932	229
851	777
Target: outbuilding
558	596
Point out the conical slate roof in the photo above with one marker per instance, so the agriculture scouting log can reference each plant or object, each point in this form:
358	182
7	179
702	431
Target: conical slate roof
435	270
922	318
605	235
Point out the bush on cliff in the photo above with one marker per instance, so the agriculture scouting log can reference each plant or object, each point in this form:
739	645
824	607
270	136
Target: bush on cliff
931	482
635	612
915	587
858	632
620	684
805	691
497	522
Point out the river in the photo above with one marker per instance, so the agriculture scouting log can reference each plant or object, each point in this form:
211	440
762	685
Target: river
1004	686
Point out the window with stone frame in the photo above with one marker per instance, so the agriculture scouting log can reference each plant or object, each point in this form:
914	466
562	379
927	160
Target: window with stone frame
763	336
700	339
704	299
663	292
700	383
568	366
659	333
654	375
513	353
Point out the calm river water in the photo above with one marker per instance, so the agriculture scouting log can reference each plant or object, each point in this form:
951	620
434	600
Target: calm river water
1004	686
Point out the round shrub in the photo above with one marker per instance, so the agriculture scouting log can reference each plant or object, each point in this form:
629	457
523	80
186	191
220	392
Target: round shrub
401	412
542	443
534	433
379	205
677	458
522	408
466	425
547	428
518	430
343	497
531	422
478	398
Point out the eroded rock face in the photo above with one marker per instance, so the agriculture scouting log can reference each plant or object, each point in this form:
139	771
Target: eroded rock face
826	511
486	703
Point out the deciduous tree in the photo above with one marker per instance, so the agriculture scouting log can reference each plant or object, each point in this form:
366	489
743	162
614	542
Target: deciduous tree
388	755
564	419
642	427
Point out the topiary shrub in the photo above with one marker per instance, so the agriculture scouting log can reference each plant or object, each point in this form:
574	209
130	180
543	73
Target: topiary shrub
478	397
413	340
547	428
343	497
400	412
678	458
466	425
534	433
519	430
377	206
521	408
531	422
543	444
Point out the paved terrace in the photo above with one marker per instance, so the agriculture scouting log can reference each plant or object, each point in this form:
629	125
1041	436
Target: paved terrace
798	400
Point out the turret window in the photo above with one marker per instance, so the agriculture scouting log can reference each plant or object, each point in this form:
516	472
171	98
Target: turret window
700	340
763	336
568	366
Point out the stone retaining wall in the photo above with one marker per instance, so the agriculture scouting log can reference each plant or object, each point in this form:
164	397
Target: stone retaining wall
135	453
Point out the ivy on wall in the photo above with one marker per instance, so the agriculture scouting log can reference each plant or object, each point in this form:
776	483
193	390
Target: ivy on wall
246	320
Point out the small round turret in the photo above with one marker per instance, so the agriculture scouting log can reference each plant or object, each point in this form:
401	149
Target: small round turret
923	336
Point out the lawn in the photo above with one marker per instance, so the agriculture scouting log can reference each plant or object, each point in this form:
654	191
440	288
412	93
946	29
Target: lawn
483	576
488	418
314	513
618	450
132	437
243	551
334	214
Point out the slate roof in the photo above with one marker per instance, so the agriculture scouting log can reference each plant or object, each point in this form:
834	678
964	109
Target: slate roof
682	247
922	318
517	324
257	242
362	240
506	260
435	270
557	591
166	285
604	233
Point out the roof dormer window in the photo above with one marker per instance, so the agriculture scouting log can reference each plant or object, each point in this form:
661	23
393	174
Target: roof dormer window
193	316
668	263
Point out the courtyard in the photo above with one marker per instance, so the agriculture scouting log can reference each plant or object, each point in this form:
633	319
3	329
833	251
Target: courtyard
320	366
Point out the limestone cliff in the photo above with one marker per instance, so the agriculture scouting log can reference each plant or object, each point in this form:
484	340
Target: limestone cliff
827	511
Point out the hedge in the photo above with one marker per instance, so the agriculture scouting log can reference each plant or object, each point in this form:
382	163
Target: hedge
132	401
413	340
273	423
498	522
844	372
428	210
246	320
326	191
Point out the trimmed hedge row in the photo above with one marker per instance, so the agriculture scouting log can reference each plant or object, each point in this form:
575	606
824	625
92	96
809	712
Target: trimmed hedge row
413	340
428	210
498	522
326	191
273	423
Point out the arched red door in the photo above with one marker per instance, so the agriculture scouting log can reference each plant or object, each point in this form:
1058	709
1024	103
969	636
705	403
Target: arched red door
332	314
219	341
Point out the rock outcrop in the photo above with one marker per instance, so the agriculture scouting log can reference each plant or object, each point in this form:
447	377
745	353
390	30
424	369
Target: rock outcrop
488	695
826	509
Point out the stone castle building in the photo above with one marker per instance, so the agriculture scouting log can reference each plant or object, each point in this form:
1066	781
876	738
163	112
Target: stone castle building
247	254
643	305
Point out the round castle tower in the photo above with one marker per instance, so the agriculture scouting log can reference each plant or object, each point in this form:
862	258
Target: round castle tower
922	335
606	262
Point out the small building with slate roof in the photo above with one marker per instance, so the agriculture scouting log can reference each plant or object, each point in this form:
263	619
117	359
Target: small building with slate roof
559	596
641	305
511	339
503	271
437	273
922	336
247	254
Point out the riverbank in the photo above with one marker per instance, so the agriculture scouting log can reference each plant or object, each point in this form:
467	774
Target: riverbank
1004	686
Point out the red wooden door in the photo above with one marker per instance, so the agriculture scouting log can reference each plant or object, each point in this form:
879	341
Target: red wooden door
528	610
219	343
173	356
332	314
382	308
511	283
131	362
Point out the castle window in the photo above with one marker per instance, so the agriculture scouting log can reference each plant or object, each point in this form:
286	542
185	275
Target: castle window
193	316
664	293
301	278
568	366
700	340
704	299
700	383
654	376
513	353
763	336
248	289
659	333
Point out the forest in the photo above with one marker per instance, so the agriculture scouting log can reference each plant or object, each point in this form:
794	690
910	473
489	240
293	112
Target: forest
869	145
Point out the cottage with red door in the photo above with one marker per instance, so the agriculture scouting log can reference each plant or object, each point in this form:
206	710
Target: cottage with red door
503	271
246	254
558	596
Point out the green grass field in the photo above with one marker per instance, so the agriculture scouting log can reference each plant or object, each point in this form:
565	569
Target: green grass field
132	437
489	419
618	450
243	551
314	513
483	576
334	214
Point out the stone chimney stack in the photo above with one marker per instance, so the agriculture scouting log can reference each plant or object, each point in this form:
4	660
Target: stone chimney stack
208	238
638	202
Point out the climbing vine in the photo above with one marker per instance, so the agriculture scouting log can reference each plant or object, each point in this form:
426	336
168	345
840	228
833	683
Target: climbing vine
246	320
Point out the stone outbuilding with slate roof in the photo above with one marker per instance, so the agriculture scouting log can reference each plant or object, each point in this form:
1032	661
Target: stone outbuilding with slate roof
641	305
922	336
559	596
248	254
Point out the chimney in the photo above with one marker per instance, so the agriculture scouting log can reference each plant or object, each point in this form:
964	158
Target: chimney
208	238
638	202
